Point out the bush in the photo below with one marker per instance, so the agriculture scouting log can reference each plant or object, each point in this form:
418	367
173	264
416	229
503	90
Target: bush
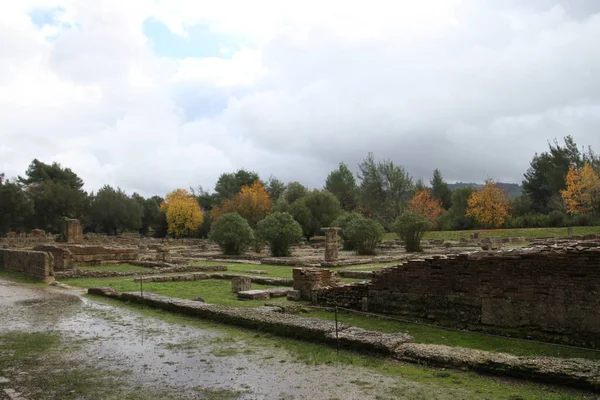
411	227
280	231
343	222
232	233
365	234
557	219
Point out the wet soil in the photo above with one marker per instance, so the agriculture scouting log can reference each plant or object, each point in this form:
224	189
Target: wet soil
185	360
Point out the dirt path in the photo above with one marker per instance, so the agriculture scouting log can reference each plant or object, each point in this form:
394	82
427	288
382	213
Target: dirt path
149	355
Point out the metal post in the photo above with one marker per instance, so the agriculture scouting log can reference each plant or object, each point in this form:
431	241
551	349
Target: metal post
337	339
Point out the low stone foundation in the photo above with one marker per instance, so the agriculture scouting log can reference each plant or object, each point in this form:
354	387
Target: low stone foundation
99	255
36	264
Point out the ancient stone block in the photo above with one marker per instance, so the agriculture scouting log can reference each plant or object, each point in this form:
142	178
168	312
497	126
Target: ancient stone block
37	264
308	279
63	258
254	295
294	295
71	231
240	284
331	243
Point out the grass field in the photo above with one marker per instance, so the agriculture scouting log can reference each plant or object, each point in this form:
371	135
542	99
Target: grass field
115	267
216	291
528	233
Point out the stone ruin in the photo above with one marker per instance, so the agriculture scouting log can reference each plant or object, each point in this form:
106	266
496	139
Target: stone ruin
71	231
331	244
308	280
241	284
552	288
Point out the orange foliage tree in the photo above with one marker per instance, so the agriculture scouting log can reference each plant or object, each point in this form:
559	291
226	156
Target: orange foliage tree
489	206
423	204
182	211
252	203
582	194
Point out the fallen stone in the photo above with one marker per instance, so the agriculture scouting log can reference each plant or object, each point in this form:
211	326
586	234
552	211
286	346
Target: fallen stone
4	380
294	295
254	295
258	271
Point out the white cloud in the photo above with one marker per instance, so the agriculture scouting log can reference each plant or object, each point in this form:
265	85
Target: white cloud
473	88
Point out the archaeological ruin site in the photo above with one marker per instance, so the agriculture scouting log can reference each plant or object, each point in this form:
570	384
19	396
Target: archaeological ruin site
542	290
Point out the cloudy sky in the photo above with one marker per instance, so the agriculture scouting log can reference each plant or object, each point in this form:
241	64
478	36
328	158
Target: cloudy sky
151	95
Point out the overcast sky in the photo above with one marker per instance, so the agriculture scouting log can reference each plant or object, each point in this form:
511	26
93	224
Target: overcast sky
152	95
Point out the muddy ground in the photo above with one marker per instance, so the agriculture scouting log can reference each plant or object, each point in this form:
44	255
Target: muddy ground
111	352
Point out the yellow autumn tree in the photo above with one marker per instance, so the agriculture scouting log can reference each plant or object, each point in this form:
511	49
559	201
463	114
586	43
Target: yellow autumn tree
582	194
252	203
423	204
489	206
183	213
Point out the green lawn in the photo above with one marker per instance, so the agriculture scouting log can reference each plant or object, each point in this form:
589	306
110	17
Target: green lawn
273	271
115	267
216	291
525	232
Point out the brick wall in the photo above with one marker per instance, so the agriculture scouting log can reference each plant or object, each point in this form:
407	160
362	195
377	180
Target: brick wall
37	264
546	288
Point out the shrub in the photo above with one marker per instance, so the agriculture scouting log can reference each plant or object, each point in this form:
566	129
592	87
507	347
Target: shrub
280	231
411	227
557	219
365	234
232	233
343	222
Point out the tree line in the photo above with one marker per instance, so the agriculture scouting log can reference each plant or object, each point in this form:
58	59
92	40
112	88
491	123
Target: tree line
561	187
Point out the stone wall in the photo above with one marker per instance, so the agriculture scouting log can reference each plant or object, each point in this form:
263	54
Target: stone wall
37	264
63	258
307	280
98	255
546	288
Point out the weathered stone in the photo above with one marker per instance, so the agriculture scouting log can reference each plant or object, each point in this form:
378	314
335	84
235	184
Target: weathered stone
63	258
331	243
308	279
240	284
254	295
548	291
258	272
71	231
37	264
294	295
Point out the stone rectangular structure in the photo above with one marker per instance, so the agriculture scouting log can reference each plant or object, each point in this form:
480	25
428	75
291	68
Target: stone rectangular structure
546	289
37	264
307	280
71	231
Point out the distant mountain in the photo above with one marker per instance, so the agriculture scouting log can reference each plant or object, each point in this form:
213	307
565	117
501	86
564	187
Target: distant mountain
513	189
